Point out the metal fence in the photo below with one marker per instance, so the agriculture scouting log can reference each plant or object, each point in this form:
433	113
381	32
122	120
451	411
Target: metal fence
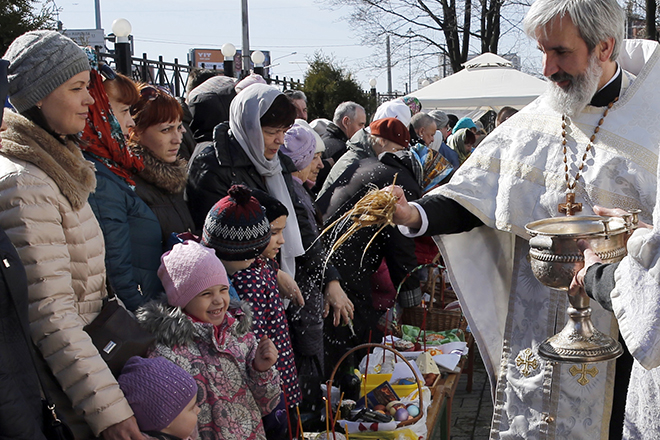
174	75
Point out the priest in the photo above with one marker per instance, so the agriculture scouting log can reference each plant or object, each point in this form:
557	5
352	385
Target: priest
590	140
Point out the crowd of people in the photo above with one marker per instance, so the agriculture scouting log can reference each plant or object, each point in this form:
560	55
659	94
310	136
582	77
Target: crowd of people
213	219
213	241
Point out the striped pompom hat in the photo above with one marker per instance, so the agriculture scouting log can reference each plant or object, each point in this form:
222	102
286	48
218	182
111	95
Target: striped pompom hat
237	227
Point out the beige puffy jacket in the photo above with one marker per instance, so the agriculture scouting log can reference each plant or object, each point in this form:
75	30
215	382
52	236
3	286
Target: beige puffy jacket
44	187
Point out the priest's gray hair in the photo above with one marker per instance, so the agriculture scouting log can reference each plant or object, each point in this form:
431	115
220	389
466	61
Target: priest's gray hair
346	108
596	20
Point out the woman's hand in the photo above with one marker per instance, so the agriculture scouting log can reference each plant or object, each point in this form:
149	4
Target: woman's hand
405	214
342	306
289	288
265	356
126	430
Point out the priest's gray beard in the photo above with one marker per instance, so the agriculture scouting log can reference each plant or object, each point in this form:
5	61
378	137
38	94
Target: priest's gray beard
581	89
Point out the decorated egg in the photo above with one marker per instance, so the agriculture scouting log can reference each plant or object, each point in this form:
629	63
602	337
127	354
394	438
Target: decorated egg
413	410
401	414
392	406
379	407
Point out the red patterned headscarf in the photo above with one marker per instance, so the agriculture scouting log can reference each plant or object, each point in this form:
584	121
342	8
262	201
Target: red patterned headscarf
103	138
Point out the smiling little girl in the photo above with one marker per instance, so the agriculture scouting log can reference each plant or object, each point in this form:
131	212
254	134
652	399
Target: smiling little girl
194	329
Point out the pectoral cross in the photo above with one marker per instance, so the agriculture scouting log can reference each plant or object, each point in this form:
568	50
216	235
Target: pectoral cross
570	207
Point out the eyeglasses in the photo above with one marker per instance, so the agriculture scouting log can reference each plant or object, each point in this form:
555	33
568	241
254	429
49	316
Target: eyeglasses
147	94
152	92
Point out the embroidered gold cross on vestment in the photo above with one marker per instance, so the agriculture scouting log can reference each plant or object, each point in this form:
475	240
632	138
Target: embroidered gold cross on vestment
583	371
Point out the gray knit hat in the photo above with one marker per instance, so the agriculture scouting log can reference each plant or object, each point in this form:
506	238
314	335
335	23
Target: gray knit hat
41	61
440	117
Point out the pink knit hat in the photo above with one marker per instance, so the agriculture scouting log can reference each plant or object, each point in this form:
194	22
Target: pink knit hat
189	269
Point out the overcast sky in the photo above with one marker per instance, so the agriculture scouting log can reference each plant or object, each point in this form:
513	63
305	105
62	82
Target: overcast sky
170	28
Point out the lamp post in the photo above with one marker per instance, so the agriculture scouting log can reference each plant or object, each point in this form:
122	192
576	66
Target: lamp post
258	59
228	51
372	83
122	29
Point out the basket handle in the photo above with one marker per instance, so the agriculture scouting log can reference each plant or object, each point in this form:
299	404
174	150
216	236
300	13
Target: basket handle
375	345
433	265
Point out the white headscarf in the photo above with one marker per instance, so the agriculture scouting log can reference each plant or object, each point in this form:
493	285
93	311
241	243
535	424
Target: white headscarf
394	109
245	111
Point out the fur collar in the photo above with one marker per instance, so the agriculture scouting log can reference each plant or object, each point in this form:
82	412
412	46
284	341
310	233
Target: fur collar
64	163
170	177
172	327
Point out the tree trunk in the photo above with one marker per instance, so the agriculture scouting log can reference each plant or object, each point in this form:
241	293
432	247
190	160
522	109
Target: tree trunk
451	34
651	32
466	30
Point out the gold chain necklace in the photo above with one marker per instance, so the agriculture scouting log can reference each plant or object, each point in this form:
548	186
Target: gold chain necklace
570	207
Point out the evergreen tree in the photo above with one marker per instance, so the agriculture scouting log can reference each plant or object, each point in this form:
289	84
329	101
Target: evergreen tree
328	85
20	16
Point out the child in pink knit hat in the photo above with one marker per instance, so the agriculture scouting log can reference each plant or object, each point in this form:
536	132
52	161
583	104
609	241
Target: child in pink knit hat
196	330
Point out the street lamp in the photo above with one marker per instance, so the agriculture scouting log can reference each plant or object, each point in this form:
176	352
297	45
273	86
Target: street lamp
258	59
228	51
122	29
372	83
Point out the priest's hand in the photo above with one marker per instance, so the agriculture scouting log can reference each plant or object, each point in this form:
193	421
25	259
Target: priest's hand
405	214
577	296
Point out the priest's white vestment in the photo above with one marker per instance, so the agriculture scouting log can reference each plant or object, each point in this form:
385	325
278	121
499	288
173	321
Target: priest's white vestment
516	176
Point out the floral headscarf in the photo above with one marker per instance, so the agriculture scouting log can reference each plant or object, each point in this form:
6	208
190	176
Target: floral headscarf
102	137
413	104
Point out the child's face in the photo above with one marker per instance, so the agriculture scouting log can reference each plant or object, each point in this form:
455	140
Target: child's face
210	305
276	237
185	423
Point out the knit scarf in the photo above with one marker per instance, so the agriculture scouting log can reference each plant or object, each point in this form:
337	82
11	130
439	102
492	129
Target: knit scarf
103	138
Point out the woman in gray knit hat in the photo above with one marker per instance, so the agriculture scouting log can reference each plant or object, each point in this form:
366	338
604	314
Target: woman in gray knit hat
44	185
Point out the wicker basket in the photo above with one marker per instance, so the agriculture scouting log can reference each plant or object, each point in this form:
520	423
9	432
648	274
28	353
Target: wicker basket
396	353
437	319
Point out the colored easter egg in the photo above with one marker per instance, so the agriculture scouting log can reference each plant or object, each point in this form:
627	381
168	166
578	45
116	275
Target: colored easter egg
413	410
401	415
392	406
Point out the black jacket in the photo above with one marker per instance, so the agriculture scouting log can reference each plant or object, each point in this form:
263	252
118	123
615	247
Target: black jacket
20	398
335	147
398	251
188	141
161	186
209	109
223	163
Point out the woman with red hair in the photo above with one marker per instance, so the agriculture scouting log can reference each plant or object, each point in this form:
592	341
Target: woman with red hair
156	138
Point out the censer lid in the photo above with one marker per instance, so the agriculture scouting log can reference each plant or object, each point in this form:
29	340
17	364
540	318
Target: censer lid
576	226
